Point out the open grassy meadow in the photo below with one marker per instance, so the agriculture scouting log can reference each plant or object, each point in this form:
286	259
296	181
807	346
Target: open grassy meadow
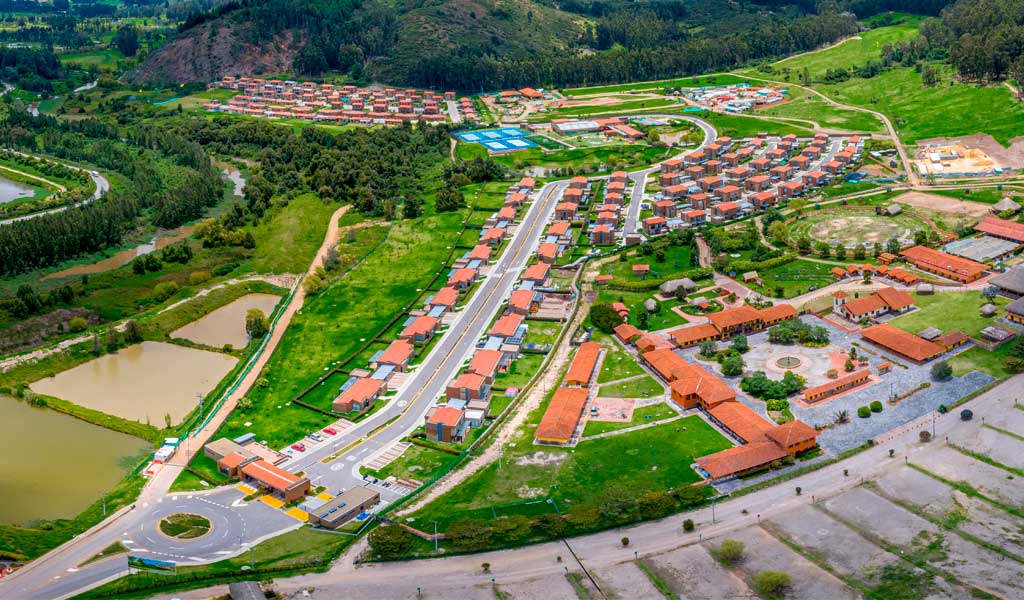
807	106
698	81
794	278
949	311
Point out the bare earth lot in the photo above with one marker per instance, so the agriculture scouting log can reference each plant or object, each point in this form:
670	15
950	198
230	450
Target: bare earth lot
944	204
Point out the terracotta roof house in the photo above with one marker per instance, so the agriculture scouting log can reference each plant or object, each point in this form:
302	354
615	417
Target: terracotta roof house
602	235
905	344
481	252
524	302
493	236
468	386
695	386
887	299
583	364
359	396
562	416
547	252
397	354
486	363
694	334
421	330
275	480
733	320
462	278
946	265
627	333
516	199
793	437
666	363
446	424
507	325
559	228
836	386
537	273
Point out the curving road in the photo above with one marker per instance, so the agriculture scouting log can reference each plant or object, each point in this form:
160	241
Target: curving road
101	183
56	575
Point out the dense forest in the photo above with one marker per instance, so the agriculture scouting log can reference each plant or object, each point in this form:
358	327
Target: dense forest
29	69
472	46
984	38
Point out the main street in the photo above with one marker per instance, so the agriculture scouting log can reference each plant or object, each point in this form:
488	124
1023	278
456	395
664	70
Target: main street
58	574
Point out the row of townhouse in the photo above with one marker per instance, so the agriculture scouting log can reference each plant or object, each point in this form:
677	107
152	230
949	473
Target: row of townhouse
697	188
360	392
563	418
467	398
325	102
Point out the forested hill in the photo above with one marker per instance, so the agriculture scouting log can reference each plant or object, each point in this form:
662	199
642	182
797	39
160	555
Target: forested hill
984	38
489	44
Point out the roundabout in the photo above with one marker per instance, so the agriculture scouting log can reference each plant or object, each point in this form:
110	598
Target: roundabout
185	526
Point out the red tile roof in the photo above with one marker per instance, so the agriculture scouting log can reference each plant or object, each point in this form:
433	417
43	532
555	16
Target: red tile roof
1001	228
940	261
790	434
272	476
627	332
446	415
562	415
778	312
522	299
742	421
901	342
695	380
583	364
507	325
397	353
560	228
667	363
537	272
688	335
732	317
736	460
841	382
481	252
485	362
447	296
420	326
362	389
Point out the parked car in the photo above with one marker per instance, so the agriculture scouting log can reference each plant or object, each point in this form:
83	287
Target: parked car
299	447
330	430
316	437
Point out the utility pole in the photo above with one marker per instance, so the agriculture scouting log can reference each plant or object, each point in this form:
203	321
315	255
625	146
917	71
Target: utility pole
435	536
712	509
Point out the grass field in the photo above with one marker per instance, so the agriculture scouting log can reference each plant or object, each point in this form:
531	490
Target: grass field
701	80
745	126
642	415
979	359
663	319
593	159
417	462
642	387
184	526
794	278
332	324
677	260
292	236
618	364
988	195
652	104
860	49
105	57
520	370
580	476
804	105
949	311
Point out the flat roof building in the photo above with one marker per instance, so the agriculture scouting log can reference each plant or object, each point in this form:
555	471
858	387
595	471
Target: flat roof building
341	509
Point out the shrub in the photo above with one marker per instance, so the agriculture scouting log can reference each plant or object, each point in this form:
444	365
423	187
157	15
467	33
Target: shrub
198	277
390	540
165	290
604	317
729	552
876	406
225	269
863	412
941	371
77	325
733	366
688	525
772	584
625	541
925	436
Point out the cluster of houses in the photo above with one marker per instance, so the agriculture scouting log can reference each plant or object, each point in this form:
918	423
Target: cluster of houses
741	97
274	98
762	443
468	397
729	179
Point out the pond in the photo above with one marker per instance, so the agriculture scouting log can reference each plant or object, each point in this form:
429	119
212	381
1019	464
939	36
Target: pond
12	190
143	382
226	325
55	466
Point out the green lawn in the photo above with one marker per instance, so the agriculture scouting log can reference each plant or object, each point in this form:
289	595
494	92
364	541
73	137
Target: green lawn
105	57
580	475
634	388
852	52
663	319
184	526
985	195
804	105
521	370
585	111
293	235
698	81
488	196
642	415
618	364
542	333
332	324
946	109
417	462
979	359
677	260
794	278
741	126
948	311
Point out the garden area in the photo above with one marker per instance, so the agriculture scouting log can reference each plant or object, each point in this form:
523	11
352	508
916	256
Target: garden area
794	278
641	387
641	416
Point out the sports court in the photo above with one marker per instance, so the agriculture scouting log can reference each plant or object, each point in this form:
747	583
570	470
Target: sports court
505	139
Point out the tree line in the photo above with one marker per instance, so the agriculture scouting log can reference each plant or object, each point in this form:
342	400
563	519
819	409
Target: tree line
984	38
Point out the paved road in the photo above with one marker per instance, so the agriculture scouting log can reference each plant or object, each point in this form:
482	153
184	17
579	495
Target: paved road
101	183
639	178
55	575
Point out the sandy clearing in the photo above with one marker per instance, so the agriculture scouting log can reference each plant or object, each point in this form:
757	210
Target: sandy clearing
944	204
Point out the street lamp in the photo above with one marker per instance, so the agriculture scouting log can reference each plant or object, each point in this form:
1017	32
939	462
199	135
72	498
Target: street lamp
435	536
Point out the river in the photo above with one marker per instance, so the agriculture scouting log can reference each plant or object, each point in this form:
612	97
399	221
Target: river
143	382
55	466
124	257
226	325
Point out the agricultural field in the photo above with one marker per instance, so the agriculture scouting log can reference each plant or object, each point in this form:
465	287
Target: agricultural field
100	58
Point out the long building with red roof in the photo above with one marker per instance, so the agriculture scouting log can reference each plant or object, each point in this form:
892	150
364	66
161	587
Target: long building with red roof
943	264
562	416
900	342
1001	228
583	364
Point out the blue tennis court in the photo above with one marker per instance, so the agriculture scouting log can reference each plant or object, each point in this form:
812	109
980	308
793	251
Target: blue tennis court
486	135
506	145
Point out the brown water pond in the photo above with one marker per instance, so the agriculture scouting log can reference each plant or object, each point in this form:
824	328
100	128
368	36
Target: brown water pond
226	325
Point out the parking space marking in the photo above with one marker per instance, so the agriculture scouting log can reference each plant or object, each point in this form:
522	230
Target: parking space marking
298	513
272	502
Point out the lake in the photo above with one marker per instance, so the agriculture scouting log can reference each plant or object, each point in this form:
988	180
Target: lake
143	382
12	190
226	325
55	466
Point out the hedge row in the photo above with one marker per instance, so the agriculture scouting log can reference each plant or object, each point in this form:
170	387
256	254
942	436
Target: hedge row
771	263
